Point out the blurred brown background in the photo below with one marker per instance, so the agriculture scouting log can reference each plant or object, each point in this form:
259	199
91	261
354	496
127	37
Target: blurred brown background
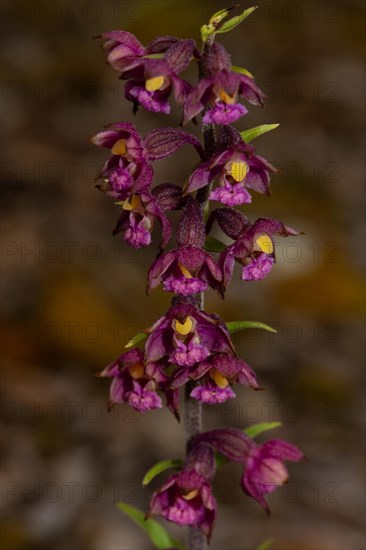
72	295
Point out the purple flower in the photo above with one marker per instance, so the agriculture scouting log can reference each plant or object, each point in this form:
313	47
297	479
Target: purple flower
221	90
186	498
236	169
254	249
264	470
186	335
136	221
188	269
215	375
152	72
128	169
130	383
137	383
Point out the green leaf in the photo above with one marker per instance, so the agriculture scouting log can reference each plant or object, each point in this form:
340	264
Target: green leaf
241	70
214	245
257	429
253	133
265	545
156	532
235	21
159	468
236	326
136	339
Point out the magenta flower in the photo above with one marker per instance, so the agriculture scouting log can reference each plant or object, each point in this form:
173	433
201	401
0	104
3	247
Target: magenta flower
187	269
264	470
254	249
220	91
137	383
152	72
137	219
186	498
128	169
236	169
215	376
186	336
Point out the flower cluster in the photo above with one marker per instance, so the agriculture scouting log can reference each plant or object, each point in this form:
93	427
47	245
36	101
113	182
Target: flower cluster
188	346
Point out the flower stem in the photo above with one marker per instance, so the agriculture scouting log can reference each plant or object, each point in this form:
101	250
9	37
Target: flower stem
193	407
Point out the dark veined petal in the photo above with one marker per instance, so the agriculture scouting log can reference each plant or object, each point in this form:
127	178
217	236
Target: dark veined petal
179	55
232	222
191	228
160	44
219	58
158	268
161	142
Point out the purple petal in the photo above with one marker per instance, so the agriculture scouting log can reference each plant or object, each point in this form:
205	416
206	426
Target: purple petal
179	55
222	113
185	287
231	195
231	442
137	235
143	400
219	58
258	268
150	100
161	142
168	196
231	221
158	268
191	227
161	43
187	356
212	394
199	178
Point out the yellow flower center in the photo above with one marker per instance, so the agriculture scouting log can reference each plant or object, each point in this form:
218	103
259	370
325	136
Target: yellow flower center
184	328
265	244
237	169
131	203
136	370
155	83
185	272
191	494
218	378
120	147
227	98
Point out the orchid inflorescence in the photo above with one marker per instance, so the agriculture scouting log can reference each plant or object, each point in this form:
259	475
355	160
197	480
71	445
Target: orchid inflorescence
188	346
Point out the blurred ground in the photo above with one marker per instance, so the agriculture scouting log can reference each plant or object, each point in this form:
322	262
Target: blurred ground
72	295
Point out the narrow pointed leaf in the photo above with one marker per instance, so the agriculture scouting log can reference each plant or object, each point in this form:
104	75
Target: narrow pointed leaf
214	245
136	339
265	545
257	429
236	326
159	468
159	537
241	70
253	133
235	21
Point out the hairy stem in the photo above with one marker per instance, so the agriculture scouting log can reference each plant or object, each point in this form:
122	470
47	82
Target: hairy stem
193	408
